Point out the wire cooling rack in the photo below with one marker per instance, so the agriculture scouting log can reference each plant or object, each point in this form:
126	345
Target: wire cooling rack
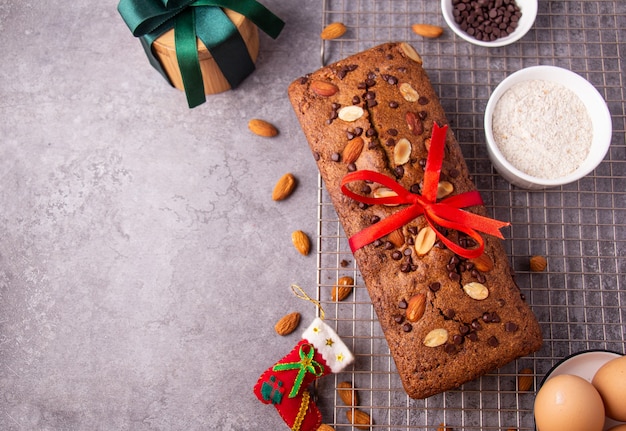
580	300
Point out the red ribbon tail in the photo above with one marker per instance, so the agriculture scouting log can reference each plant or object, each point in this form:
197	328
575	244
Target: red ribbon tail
465	220
434	162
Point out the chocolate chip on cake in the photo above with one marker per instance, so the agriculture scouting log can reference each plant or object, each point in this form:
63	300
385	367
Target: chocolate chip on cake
510	327
435	286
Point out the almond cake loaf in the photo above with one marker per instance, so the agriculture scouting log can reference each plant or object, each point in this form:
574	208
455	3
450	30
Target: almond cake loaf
441	287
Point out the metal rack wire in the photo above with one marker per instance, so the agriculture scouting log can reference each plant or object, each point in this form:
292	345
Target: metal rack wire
580	300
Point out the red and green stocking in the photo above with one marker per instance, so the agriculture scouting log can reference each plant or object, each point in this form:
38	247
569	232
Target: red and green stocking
318	353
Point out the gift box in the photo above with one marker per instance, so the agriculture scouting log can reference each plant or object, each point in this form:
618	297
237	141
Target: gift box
214	80
200	46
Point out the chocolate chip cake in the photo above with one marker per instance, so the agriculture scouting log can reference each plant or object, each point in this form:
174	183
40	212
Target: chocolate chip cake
442	288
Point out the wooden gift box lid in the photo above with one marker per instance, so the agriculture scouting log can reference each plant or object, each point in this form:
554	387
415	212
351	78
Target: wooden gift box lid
212	76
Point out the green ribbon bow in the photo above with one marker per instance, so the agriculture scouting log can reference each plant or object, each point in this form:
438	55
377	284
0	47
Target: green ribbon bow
304	366
205	20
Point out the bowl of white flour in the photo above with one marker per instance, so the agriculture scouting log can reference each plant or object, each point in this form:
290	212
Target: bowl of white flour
545	127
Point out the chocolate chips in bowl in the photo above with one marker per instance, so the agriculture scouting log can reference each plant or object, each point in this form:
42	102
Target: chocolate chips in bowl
490	23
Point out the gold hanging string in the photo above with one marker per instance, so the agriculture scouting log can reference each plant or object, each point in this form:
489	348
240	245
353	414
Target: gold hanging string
300	293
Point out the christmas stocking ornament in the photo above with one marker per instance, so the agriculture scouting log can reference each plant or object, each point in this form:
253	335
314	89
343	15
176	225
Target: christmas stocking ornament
318	353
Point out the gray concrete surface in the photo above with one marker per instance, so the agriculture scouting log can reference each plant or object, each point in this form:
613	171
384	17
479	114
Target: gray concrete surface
143	262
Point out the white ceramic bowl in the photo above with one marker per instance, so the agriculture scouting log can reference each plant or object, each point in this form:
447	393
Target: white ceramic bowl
583	364
593	102
529	13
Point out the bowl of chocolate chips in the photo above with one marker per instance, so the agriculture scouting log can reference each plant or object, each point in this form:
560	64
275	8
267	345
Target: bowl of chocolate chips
490	23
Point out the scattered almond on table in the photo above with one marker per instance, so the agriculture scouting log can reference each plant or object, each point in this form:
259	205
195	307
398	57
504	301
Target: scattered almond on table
427	30
287	324
348	394
359	419
301	242
324	427
284	187
262	128
443	427
538	263
525	380
333	31
342	289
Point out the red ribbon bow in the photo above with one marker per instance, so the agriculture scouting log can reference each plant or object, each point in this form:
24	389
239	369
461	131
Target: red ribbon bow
446	213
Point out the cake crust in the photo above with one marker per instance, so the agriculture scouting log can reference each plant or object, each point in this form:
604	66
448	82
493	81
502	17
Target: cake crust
390	99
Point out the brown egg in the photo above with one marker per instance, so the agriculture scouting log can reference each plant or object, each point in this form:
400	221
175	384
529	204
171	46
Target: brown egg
610	382
568	402
618	428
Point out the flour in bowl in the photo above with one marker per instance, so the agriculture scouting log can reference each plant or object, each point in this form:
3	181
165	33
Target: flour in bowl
542	128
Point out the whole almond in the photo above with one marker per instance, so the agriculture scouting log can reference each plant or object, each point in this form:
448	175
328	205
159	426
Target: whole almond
359	419
324	427
284	186
287	324
410	52
414	123
525	380
352	150
342	289
396	238
443	427
262	128
416	307
347	394
301	242
538	263
333	31
427	30
323	88
483	263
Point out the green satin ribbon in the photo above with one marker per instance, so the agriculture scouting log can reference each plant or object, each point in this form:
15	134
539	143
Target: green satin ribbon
305	365
205	20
